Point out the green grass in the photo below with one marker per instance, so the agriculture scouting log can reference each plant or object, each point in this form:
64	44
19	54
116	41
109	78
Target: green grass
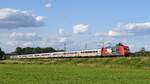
76	71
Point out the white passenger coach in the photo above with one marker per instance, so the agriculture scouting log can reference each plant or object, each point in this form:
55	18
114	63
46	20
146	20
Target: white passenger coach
81	53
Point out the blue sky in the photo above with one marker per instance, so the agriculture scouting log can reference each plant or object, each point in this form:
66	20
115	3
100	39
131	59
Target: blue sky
32	23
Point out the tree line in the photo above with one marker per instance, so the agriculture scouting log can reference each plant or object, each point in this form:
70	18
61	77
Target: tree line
31	50
2	53
141	52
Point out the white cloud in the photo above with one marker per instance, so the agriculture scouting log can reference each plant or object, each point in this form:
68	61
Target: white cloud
131	29
80	28
53	41
12	43
12	18
40	19
27	44
33	39
138	26
19	44
62	39
61	31
48	5
63	36
132	47
46	42
24	36
23	39
147	47
100	34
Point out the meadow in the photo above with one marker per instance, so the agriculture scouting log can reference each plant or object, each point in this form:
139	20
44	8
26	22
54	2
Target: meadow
76	71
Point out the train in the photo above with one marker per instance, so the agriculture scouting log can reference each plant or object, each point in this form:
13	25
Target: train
119	50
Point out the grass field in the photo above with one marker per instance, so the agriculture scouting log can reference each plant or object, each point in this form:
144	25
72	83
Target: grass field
81	71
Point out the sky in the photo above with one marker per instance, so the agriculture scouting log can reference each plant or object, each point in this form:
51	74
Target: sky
78	23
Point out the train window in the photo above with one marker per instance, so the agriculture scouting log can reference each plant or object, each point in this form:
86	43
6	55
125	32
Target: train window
89	51
58	53
71	53
45	54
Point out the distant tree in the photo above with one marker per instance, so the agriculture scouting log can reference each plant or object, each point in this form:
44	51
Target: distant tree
48	49
37	50
19	51
143	50
2	53
30	50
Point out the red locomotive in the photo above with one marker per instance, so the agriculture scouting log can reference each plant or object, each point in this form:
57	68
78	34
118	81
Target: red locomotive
120	50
